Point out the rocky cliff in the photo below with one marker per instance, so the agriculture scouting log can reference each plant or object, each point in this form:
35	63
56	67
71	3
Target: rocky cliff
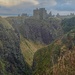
11	59
43	31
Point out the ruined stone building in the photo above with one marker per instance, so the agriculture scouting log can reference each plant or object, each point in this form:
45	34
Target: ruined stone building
24	15
40	13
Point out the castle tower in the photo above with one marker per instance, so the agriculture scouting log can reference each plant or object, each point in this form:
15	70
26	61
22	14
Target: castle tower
36	13
40	13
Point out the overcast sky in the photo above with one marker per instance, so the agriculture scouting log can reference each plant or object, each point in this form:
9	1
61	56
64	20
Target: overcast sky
27	6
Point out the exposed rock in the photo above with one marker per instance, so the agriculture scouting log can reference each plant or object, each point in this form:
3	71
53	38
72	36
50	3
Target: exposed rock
43	31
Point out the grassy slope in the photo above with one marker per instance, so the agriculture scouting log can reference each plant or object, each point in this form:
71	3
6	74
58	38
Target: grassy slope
6	27
56	59
5	23
43	60
66	64
28	48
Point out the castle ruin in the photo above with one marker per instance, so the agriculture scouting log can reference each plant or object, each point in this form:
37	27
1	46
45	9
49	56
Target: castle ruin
40	13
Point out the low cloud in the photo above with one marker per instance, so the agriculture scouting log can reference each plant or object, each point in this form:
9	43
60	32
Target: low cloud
10	3
45	3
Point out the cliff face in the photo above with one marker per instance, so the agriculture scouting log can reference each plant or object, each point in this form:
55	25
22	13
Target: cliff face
11	59
57	58
43	31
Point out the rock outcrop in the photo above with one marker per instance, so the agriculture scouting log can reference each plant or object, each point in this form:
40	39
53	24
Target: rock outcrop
43	31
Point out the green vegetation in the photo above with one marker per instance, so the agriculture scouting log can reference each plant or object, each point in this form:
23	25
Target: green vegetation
68	24
11	59
2	67
28	49
1	44
45	58
5	24
33	37
57	58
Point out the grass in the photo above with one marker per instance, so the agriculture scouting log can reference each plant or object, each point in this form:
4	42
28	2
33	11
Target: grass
2	67
28	49
1	44
5	23
56	59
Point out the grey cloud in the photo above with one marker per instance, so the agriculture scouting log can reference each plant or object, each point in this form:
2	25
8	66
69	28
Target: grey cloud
57	5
